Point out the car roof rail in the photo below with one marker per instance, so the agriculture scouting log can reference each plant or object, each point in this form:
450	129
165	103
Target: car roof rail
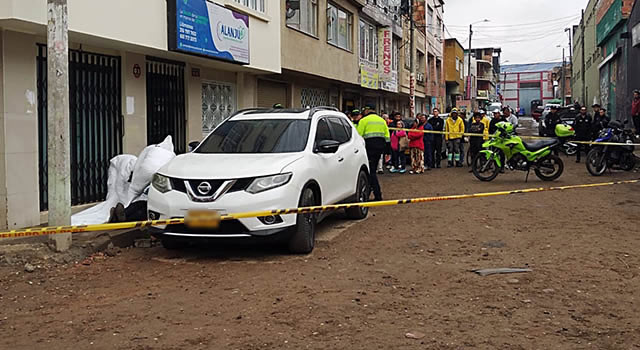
253	109
314	110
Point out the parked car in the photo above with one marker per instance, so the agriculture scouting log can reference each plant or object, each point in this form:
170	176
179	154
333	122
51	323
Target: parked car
495	106
263	159
567	114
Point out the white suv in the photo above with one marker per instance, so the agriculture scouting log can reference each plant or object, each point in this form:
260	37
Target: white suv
264	159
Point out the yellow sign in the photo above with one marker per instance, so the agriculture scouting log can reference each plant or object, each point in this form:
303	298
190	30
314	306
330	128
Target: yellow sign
369	77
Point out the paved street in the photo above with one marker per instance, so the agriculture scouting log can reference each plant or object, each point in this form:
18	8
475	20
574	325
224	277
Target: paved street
406	269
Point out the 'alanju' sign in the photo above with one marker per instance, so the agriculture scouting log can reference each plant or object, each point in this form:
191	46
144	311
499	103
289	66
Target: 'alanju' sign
205	28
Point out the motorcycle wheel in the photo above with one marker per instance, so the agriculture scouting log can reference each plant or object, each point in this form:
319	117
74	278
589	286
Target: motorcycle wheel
570	150
629	163
549	168
484	169
596	165
468	157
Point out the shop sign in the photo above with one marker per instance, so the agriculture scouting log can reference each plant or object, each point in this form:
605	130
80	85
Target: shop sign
388	77
390	84
369	77
204	28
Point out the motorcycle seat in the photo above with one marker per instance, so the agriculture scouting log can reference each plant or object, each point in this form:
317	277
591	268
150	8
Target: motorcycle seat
539	144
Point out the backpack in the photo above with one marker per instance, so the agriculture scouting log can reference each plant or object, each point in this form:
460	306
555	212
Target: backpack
403	143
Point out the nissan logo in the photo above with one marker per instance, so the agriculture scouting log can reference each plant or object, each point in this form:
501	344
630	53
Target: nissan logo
204	188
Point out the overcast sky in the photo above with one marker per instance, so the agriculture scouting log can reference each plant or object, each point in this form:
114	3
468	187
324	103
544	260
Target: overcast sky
527	31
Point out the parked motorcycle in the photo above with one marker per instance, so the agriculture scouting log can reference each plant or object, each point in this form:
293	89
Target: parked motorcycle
506	150
603	157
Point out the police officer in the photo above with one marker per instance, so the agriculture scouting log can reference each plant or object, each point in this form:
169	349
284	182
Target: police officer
375	132
437	123
356	116
551	120
582	126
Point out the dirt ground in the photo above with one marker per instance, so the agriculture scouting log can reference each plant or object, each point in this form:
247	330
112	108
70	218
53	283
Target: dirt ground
406	269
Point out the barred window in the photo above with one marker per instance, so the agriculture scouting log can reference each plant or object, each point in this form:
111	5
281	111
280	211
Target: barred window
256	5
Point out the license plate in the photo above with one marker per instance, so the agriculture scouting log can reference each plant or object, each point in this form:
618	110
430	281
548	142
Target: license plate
208	219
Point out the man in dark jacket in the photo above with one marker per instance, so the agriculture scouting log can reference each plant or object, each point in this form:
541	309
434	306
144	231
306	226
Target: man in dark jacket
428	141
600	121
582	126
437	123
551	120
497	118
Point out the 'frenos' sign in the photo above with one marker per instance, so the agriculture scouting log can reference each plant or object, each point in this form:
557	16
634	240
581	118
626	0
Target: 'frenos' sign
386	40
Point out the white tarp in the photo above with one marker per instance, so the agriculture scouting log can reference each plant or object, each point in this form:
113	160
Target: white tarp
120	190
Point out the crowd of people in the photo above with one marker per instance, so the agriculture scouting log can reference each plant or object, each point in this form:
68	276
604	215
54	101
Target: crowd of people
410	149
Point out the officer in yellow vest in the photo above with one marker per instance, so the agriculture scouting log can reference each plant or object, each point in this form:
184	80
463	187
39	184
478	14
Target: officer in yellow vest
375	132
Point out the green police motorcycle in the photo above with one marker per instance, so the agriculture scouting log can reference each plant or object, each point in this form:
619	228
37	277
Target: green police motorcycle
505	150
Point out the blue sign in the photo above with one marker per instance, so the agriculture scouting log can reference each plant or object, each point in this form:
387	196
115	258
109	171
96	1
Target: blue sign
204	28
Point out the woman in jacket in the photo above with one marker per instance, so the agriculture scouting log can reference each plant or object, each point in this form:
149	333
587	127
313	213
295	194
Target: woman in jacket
416	146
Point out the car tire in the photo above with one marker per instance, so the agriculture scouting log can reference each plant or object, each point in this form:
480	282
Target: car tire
303	234
363	191
174	244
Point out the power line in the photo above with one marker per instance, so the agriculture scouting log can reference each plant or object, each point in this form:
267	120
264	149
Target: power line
521	24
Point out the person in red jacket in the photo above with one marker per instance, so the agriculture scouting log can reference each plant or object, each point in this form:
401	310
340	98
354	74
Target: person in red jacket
635	111
416	147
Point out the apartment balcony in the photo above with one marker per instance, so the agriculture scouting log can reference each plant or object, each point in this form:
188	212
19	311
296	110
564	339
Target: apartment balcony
488	78
485	62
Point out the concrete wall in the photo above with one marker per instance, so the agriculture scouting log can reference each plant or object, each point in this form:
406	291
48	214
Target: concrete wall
590	86
453	50
20	131
144	23
313	55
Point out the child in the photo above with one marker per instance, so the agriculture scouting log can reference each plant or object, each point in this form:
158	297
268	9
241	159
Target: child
416	144
476	127
399	143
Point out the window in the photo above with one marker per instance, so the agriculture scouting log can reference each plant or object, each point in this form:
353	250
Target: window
256	5
457	64
368	42
439	28
323	132
407	55
396	54
430	19
257	136
339	27
348	126
303	15
340	133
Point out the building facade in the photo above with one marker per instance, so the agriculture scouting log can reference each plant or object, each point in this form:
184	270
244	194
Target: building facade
585	83
633	70
521	84
612	38
167	73
131	84
454	71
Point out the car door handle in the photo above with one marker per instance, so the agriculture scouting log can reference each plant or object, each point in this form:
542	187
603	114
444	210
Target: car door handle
340	159
356	151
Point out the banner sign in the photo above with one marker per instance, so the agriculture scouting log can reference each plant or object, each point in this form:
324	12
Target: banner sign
388	77
203	28
390	84
369	77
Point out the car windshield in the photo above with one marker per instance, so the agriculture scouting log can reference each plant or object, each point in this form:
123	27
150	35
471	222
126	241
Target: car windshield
257	136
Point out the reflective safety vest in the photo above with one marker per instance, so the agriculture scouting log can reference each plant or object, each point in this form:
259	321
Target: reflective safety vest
373	126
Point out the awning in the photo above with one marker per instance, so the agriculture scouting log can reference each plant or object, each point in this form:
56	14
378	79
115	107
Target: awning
609	58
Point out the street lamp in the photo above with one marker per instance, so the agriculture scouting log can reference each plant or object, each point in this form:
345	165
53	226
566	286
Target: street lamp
568	30
468	92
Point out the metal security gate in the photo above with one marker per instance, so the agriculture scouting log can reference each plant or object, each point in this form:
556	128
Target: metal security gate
166	102
95	121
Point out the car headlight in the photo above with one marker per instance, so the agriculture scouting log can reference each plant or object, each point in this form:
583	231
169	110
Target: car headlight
161	183
268	182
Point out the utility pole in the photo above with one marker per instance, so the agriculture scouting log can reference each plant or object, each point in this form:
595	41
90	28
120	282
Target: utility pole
468	92
58	144
570	30
584	83
564	79
412	65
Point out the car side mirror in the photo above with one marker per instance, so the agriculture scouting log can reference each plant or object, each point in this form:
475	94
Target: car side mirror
328	146
193	145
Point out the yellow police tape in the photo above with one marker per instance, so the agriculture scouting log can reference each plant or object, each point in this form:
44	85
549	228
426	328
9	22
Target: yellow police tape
304	210
521	136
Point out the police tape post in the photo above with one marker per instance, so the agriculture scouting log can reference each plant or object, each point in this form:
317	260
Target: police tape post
521	136
304	210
